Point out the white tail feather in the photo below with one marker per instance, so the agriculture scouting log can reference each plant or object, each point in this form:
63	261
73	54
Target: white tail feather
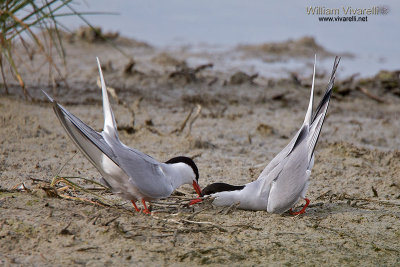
308	118
110	127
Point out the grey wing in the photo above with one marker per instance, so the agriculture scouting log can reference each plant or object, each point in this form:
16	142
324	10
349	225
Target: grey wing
90	142
279	157
288	185
140	154
144	172
276	165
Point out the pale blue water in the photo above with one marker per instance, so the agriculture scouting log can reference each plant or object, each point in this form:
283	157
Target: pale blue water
226	23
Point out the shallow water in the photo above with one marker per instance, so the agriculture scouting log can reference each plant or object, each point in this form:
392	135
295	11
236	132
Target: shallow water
224	24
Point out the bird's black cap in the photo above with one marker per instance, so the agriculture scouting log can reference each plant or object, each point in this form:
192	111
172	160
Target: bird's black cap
220	187
186	160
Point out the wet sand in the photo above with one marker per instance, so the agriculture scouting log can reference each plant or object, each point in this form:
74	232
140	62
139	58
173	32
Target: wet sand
354	214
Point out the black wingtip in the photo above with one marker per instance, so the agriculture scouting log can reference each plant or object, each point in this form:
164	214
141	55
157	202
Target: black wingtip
328	91
335	66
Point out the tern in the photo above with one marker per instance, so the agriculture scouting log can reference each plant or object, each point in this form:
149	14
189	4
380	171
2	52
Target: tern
129	173
285	179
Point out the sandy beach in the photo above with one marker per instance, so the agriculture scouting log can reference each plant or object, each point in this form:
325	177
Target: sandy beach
244	121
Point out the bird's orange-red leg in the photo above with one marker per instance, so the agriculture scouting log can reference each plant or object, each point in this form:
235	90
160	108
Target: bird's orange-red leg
302	210
134	205
145	207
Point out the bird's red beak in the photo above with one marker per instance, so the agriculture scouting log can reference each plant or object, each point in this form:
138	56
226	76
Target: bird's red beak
197	188
198	191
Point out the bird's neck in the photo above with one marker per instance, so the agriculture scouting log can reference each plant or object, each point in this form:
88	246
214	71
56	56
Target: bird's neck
250	197
228	198
179	174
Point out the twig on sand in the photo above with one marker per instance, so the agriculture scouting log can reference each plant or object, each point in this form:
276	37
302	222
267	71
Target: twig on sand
247	226
289	233
63	188
183	124
110	221
154	130
132	108
196	155
65	230
162	204
203	67
351	198
319	204
324	195
213	81
189	121
233	255
3	75
221	229
374	191
382	202
191	216
187	73
95	218
38	180
84	200
53	182
86	248
366	92
20	187
195	116
174	237
178	203
186	221
230	208
74	186
135	107
110	90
